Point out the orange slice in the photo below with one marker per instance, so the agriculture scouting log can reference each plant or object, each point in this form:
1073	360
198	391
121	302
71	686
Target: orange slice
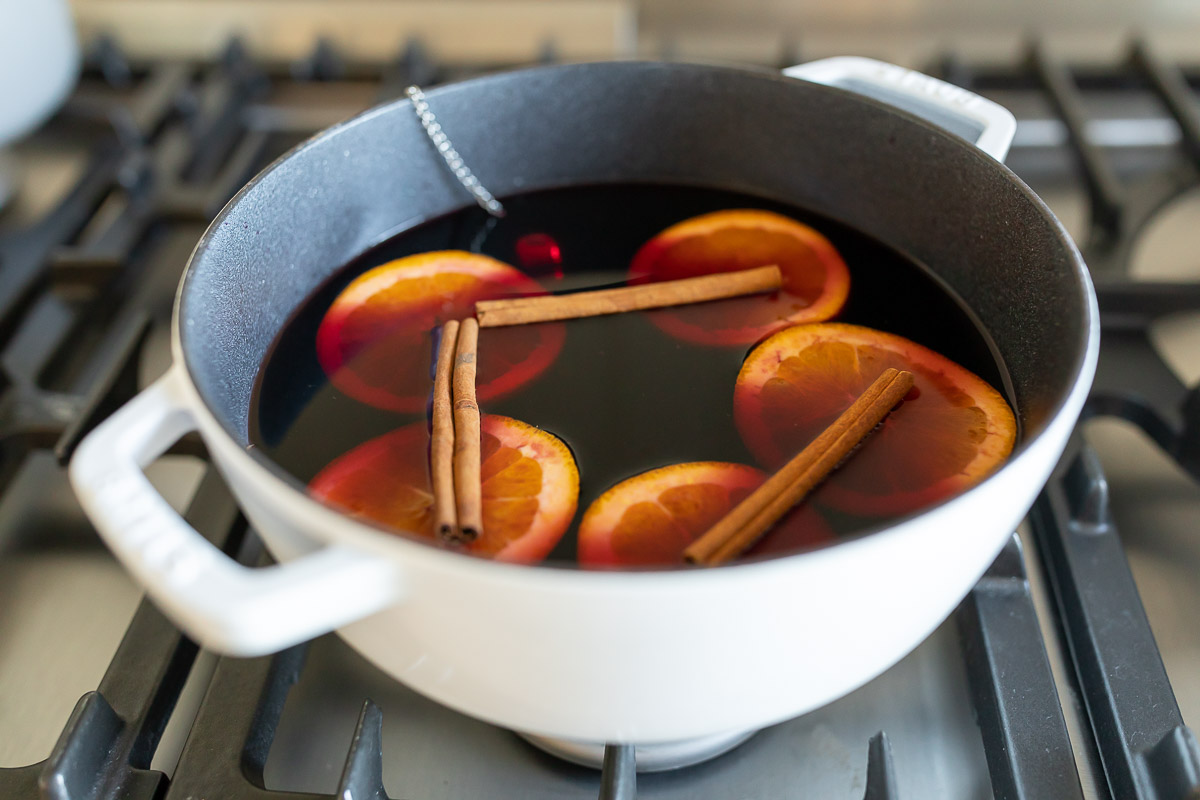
375	340
815	279
650	518
952	431
530	487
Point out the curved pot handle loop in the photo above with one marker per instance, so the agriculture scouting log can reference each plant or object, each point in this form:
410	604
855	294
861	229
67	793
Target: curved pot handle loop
987	125
219	603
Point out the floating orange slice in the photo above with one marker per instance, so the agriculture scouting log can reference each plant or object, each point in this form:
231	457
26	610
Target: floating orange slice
951	433
530	487
375	340
650	518
815	279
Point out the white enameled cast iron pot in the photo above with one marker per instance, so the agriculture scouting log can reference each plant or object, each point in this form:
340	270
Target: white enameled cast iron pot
644	657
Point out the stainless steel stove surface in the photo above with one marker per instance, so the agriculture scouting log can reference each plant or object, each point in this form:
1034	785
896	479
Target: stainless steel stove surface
1046	683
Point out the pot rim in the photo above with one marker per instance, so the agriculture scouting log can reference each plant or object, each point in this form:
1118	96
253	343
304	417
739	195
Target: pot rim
369	536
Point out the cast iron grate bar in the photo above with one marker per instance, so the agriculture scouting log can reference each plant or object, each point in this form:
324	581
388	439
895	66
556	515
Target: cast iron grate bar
153	190
1016	702
214	108
136	120
1144	758
1105	192
23	254
105	750
153	178
200	203
413	67
790	52
106	56
1172	88
117	383
1146	751
227	749
953	69
1119	211
158	98
231	735
324	63
1132	379
111	248
548	53
1125	304
618	775
362	777
35	260
34	417
30	419
881	772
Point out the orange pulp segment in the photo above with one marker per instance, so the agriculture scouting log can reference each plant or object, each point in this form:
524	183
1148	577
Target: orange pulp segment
815	278
375	340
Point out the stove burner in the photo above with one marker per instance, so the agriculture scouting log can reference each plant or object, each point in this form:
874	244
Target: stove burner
649	758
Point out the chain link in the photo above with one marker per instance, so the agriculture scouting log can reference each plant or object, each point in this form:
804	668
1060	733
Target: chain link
454	161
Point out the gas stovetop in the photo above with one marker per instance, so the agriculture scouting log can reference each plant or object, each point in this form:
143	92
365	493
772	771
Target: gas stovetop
1046	683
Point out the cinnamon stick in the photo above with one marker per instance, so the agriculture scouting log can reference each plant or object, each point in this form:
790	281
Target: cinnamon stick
441	441
468	492
544	308
738	530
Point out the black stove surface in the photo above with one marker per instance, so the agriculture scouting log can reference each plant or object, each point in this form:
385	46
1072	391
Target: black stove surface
86	285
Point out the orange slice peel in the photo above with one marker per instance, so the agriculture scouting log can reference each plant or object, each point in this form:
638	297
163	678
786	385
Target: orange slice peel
529	479
952	431
375	340
816	280
649	519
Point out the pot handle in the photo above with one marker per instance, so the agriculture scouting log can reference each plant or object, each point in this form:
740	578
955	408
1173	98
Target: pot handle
219	603
987	125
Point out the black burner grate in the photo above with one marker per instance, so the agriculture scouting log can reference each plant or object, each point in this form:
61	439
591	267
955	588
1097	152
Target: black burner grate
172	142
1144	747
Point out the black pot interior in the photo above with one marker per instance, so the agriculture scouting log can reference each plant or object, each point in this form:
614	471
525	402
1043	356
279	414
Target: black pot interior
925	193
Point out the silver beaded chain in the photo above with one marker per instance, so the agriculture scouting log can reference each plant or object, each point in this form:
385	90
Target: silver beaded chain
454	161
